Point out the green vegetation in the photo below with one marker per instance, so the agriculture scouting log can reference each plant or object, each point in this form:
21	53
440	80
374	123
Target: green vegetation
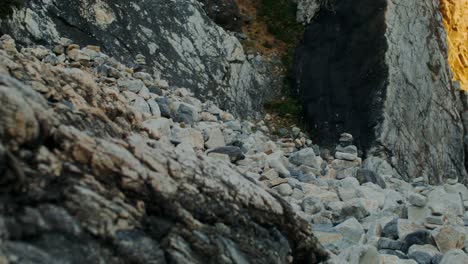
280	18
6	8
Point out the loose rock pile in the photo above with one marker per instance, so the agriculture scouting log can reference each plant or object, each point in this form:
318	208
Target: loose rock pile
102	163
92	147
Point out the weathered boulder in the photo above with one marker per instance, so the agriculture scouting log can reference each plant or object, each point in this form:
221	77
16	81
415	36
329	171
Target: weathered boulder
362	68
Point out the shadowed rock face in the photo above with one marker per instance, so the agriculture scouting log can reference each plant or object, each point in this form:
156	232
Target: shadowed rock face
181	44
379	71
341	72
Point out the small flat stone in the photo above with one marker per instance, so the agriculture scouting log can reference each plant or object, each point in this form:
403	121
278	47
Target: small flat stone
346	156
435	219
277	181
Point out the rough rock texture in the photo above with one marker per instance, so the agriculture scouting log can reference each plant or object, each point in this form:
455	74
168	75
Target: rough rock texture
377	70
181	44
86	180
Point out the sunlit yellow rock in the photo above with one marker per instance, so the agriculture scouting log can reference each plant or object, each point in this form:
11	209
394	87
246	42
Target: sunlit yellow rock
455	15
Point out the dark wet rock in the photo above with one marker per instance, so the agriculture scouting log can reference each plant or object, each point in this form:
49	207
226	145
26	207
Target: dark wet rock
390	230
304	177
234	153
420	237
420	257
386	243
163	103
436	259
353	210
154	89
362	68
186	113
364	175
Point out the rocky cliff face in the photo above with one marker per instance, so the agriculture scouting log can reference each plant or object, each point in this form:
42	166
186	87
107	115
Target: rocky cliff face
181	44
379	71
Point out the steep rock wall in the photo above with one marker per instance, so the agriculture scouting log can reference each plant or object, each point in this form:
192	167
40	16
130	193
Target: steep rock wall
181	44
378	70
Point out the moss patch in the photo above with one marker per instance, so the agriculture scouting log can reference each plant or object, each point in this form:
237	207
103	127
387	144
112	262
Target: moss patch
280	19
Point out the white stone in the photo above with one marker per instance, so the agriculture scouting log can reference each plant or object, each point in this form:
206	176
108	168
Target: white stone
158	127
216	139
351	230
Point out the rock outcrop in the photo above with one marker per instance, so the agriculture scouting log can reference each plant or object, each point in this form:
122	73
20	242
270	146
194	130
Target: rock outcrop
379	71
177	38
99	165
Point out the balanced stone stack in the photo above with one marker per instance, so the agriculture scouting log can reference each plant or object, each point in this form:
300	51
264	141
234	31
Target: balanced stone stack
347	161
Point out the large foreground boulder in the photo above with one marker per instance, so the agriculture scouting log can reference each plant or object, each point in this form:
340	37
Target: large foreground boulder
378	69
180	42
